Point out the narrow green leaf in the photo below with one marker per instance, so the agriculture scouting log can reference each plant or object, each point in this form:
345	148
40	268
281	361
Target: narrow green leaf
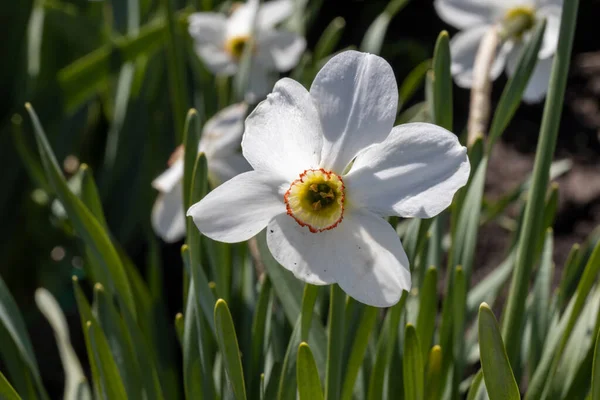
427	311
475	386
412	368
459	309
86	225
513	318
191	136
90	196
596	369
309	297
433	377
497	373
329	38
358	348
179	327
335	343
515	87
260	323
7	392
413	81
442	82
12	321
373	39
194	375
309	384
228	345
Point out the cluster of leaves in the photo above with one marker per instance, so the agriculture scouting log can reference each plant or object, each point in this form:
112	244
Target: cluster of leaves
249	329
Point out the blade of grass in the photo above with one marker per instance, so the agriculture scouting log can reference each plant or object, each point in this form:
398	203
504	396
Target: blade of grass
228	345
309	384
514	312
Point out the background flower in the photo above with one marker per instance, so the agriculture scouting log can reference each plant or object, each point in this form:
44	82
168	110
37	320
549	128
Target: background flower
220	142
300	144
220	42
474	18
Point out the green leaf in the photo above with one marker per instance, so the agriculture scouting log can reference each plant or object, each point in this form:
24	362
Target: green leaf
427	310
475	386
90	196
329	38
12	322
260	323
335	343
7	392
442	82
105	373
191	136
459	309
433	376
228	345
76	386
596	369
86	225
513	317
309	298
412	365
497	373
309	384
413	81
358	348
515	87
194	375
373	39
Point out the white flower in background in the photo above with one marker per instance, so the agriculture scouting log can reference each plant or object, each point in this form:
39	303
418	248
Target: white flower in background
220	41
328	167
475	17
220	142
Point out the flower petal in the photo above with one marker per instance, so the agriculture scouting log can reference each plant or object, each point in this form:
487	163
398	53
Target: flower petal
363	255
223	169
168	219
283	133
241	19
208	32
273	12
240	208
463	14
357	98
552	13
413	173
463	48
222	134
282	48
538	83
166	181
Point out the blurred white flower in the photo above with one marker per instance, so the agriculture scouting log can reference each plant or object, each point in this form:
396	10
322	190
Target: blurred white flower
220	41
220	142
328	167
475	17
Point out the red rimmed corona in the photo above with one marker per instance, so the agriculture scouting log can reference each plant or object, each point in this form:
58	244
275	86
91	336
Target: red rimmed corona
316	200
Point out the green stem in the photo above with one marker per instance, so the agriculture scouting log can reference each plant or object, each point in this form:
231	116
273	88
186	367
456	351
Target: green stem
335	345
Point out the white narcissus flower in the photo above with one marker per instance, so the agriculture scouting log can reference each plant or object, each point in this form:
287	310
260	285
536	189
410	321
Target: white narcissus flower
475	17
220	41
220	142
328	167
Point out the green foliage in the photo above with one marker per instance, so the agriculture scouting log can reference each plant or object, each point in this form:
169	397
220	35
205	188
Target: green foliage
247	327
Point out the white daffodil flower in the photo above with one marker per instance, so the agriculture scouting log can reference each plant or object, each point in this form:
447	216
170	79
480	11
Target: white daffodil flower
475	17
220	41
220	142
328	167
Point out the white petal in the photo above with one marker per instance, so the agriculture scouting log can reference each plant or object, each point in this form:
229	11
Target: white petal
357	98
283	48
463	14
241	19
223	169
363	255
552	13
271	13
208	32
240	208
413	173
166	181
168	219
538	83
463	49
283	133
222	134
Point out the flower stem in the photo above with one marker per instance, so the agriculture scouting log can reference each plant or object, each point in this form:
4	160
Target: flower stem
479	110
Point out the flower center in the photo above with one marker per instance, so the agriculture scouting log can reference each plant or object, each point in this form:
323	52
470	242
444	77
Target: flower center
236	46
518	20
316	200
